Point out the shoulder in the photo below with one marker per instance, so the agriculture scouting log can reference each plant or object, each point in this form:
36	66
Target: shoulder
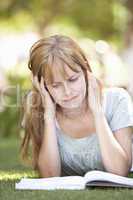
119	108
116	97
116	92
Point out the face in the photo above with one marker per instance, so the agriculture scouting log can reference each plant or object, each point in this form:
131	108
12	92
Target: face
69	92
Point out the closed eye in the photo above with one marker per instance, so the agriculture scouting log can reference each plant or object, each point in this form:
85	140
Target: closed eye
73	79
55	86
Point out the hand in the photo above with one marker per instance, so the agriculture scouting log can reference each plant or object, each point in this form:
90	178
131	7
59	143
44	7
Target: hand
48	104
94	95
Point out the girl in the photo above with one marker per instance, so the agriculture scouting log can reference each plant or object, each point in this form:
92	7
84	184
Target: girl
72	122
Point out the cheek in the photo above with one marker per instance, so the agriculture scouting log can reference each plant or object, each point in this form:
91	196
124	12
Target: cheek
55	94
51	92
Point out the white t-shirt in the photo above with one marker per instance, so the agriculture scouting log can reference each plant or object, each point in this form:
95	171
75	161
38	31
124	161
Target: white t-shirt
79	155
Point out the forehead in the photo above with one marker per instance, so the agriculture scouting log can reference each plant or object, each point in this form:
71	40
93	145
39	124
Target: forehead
60	71
59	76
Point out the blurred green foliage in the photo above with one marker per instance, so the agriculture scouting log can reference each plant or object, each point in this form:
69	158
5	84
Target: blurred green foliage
97	19
10	116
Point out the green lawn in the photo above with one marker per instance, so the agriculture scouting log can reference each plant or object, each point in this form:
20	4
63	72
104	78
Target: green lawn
11	171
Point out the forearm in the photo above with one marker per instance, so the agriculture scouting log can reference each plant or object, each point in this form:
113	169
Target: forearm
114	157
49	158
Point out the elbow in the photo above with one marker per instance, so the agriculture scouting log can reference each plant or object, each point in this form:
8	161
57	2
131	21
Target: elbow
48	171
126	168
121	171
49	174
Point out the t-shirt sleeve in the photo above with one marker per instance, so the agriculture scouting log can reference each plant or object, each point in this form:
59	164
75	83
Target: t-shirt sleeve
122	112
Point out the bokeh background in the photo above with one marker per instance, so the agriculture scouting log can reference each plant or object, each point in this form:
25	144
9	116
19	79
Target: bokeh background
104	29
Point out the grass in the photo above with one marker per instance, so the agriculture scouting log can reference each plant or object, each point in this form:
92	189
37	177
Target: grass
11	171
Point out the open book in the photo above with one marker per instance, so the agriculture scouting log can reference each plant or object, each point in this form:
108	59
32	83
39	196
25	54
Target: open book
91	178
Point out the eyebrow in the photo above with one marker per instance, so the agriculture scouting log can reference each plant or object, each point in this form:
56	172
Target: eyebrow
57	82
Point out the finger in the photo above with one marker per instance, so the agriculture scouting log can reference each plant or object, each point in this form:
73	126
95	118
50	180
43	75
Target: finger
89	74
90	77
93	82
90	89
42	84
93	91
36	83
31	74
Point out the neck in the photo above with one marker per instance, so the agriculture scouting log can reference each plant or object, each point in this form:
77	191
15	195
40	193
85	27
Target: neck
75	112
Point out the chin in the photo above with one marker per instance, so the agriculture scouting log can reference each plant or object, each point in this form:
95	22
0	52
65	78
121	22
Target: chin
72	104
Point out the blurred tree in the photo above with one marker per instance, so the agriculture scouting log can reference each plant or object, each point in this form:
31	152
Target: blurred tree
11	104
129	28
127	53
90	16
94	15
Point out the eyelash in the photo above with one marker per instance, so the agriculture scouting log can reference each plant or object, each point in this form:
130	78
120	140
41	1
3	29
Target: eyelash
74	79
71	80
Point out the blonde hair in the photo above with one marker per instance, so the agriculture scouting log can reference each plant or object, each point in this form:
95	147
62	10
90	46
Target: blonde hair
45	55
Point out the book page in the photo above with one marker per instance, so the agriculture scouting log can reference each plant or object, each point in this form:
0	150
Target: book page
67	182
105	176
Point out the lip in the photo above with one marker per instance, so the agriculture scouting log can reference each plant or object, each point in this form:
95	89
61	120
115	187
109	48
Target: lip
70	98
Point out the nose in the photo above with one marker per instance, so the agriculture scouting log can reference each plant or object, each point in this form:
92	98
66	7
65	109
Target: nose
67	89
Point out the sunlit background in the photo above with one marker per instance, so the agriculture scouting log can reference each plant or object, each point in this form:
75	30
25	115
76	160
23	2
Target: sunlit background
104	29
